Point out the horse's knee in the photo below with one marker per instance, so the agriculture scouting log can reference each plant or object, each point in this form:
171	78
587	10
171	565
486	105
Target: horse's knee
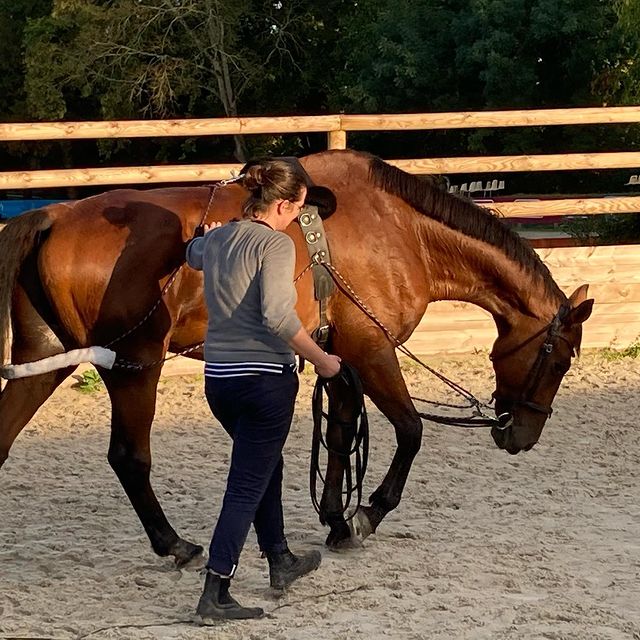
127	464
410	440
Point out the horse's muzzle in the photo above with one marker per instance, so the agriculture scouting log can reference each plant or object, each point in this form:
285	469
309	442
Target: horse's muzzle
501	436
505	438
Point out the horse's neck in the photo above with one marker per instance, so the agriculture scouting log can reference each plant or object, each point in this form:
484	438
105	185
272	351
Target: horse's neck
466	269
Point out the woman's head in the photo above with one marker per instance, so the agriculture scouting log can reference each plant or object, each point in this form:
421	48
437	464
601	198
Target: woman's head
272	183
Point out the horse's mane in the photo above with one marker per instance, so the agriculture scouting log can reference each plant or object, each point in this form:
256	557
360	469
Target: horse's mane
462	215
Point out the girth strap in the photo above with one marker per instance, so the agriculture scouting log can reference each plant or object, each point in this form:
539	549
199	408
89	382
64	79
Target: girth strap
318	248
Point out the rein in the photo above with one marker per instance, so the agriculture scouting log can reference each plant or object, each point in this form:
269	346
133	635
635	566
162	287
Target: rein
354	478
479	417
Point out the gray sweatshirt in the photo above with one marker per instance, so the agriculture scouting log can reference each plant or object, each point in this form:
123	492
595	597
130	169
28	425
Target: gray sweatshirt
248	282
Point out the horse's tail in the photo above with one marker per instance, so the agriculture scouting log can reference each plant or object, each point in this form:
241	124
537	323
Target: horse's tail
17	240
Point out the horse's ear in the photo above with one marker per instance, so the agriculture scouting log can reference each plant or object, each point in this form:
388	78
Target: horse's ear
578	296
580	306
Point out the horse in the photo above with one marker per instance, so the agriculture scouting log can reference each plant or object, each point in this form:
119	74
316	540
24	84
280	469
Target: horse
97	272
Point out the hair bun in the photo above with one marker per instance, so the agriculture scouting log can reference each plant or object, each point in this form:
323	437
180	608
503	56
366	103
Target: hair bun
267	181
254	178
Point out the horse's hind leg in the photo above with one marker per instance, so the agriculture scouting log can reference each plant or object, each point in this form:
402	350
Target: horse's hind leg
19	401
133	401
33	339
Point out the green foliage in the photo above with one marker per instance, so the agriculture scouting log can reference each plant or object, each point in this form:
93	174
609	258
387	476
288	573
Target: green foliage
13	18
473	54
605	229
162	59
632	351
120	59
619	77
453	55
88	382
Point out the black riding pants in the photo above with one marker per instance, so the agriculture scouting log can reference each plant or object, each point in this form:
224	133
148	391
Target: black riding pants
256	411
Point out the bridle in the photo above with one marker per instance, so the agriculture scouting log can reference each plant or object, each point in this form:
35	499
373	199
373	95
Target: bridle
537	369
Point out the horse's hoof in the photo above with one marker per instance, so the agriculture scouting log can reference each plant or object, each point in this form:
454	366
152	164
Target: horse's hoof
344	544
359	527
185	553
339	537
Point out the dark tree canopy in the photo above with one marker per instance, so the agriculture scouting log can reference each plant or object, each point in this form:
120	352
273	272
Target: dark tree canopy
112	59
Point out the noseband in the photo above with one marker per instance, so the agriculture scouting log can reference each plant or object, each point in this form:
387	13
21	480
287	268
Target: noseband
537	369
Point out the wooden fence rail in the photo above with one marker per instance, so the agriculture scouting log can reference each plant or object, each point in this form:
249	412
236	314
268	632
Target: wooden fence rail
210	172
329	123
199	172
166	128
613	272
336	127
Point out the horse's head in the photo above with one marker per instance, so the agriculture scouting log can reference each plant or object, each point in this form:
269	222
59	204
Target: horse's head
529	368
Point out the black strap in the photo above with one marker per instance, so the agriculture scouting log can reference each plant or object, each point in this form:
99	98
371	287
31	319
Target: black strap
360	444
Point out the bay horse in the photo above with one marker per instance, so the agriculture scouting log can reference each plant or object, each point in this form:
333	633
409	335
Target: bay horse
84	273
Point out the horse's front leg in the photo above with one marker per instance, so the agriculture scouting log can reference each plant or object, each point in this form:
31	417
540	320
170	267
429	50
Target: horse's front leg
384	384
341	429
133	402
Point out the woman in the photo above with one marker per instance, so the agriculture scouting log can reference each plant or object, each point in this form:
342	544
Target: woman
250	376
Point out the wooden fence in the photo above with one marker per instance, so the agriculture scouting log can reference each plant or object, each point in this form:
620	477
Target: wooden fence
613	275
337	127
613	272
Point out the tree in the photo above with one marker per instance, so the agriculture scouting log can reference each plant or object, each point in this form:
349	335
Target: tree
160	58
619	78
110	59
456	55
13	18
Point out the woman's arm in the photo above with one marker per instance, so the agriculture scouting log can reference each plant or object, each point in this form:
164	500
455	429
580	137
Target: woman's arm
195	248
195	252
278	306
326	365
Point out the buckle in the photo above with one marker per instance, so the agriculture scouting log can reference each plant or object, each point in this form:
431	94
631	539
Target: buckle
320	335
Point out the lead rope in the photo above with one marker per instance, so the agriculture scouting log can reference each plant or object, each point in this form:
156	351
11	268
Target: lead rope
361	439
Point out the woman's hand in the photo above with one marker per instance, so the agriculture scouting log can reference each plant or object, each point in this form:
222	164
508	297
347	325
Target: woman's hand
329	367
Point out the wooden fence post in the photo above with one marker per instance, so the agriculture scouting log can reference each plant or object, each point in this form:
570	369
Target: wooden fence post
337	139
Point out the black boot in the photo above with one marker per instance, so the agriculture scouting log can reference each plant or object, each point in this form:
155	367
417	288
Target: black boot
216	602
284	567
